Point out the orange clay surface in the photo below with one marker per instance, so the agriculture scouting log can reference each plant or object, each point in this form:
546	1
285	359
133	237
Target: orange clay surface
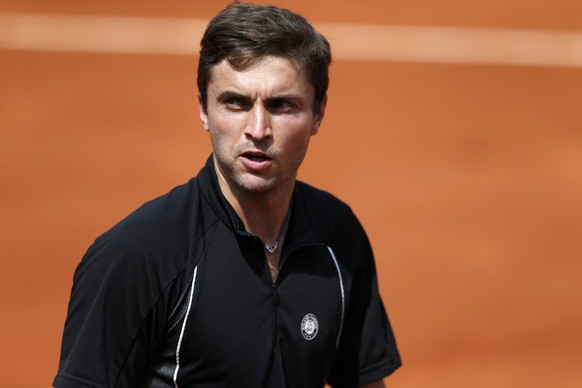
467	178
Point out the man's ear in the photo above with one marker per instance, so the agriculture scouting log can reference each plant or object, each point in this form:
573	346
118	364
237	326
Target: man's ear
203	114
318	119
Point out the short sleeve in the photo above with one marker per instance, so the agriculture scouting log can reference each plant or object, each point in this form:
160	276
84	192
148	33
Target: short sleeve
367	350
115	315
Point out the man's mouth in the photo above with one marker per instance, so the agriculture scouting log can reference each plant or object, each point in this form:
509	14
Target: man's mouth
256	156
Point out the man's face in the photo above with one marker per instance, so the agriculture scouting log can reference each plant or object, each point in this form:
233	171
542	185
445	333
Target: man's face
260	121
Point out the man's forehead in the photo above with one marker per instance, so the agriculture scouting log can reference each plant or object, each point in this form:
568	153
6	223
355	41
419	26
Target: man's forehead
266	73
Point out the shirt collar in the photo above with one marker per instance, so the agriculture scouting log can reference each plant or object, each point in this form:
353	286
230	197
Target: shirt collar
301	230
213	195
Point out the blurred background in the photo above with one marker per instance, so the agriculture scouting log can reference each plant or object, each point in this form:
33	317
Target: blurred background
454	130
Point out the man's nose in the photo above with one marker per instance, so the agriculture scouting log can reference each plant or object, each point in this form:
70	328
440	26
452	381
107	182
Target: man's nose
258	125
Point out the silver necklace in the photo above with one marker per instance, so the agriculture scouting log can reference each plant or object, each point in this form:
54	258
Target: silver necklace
272	248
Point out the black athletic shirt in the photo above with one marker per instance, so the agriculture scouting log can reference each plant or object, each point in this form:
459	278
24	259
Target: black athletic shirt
178	294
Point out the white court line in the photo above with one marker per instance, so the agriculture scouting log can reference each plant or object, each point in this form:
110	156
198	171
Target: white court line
357	42
100	34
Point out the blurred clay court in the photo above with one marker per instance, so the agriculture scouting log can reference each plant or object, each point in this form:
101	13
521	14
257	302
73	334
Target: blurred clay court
453	129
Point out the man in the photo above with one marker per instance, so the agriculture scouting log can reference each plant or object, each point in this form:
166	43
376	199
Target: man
242	277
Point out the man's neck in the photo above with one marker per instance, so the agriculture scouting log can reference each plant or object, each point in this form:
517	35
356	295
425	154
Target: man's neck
263	217
263	214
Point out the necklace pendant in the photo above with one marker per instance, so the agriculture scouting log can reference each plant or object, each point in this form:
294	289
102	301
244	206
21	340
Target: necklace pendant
272	248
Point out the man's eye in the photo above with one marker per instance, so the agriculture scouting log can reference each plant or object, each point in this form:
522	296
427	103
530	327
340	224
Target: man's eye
232	102
235	103
281	105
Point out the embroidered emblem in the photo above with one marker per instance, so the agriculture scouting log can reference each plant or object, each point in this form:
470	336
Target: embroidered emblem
309	326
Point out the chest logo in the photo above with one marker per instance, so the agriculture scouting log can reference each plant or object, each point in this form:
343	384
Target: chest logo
309	326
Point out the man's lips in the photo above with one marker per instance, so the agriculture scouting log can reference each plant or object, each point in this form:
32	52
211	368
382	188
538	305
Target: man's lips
256	156
256	160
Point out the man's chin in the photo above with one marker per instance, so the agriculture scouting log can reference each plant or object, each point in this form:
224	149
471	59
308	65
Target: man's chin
256	184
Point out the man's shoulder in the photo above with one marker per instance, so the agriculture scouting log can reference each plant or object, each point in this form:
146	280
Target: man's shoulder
324	207
157	224
335	223
156	235
163	211
314	196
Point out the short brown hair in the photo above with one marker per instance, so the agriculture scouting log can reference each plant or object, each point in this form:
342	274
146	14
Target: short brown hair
245	33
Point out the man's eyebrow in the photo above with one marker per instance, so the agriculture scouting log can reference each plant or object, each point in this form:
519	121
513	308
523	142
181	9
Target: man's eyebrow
280	97
232	94
228	94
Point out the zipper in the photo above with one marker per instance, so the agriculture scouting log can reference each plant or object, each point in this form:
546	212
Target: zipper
275	287
275	300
